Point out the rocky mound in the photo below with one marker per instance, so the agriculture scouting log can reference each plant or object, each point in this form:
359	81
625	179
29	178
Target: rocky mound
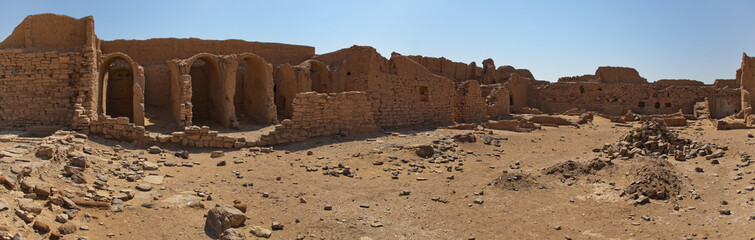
514	181
571	169
655	179
653	138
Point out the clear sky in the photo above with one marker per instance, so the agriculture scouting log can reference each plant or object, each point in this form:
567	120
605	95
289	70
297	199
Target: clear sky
701	40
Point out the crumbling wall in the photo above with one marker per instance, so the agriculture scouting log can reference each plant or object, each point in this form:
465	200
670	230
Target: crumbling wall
456	71
470	105
320	114
677	82
619	75
497	101
289	80
617	99
746	76
350	68
519	92
721	83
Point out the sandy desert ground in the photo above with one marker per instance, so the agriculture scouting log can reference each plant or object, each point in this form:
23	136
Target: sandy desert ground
551	183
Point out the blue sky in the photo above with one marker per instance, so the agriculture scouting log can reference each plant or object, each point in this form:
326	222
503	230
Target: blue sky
701	40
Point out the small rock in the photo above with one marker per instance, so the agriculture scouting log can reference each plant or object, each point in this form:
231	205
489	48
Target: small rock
725	212
154	150
479	201
46	151
258	231
150	166
405	193
3	206
18	236
30	206
217	154
143	187
232	234
277	226
41	227
364	205
221	163
182	154
328	207
67	228
61	218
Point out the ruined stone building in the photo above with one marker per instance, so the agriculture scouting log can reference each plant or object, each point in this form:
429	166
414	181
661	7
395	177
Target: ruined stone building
55	72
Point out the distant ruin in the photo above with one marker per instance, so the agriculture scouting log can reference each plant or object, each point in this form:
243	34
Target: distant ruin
55	72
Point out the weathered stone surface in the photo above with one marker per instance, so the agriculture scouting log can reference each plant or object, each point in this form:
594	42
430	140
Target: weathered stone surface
258	231
67	228
232	234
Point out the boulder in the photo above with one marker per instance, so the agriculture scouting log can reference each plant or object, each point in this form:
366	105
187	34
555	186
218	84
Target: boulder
67	228
216	154
221	218
154	150
424	151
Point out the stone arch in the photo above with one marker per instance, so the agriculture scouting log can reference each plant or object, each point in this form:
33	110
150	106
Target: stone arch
320	75
124	96
207	88
256	89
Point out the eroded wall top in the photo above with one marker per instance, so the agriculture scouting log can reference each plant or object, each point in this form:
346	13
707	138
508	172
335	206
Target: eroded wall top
50	31
162	49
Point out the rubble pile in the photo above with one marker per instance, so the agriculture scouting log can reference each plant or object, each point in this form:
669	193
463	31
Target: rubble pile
653	138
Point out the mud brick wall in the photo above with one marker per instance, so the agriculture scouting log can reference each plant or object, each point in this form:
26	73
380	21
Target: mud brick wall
617	99
321	114
470	105
39	88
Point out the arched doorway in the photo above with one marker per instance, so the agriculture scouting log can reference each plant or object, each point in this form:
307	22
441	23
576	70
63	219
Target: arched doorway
206	88
120	92
255	89
320	75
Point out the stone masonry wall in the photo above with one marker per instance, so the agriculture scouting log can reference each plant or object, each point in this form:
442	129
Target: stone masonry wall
616	99
400	101
321	114
39	88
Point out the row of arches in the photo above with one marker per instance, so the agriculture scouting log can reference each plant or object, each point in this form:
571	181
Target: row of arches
224	89
205	89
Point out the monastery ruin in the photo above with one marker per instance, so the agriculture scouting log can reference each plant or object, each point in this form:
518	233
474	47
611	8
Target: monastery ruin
56	73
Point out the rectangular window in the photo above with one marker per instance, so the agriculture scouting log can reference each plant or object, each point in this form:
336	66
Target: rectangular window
423	94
